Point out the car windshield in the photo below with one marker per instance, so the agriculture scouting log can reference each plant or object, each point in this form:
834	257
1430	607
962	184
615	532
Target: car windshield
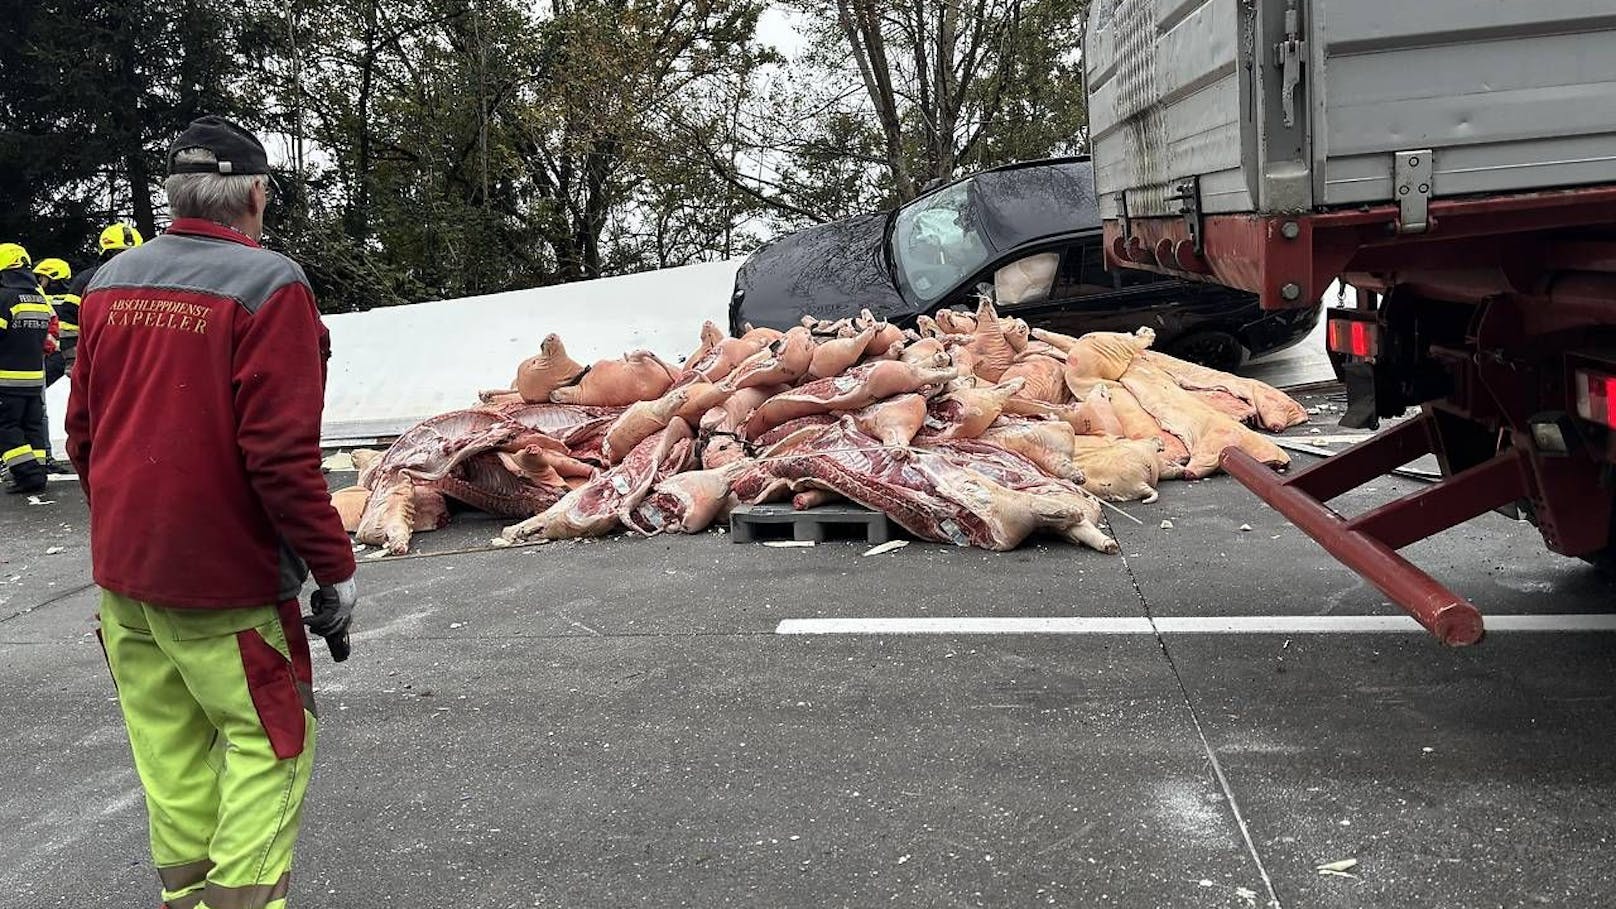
937	241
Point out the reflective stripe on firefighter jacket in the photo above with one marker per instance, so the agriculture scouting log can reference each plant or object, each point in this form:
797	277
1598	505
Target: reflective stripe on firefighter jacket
67	315
25	319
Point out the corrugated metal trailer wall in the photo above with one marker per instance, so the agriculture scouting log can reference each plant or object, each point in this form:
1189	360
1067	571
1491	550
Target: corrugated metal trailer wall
1289	104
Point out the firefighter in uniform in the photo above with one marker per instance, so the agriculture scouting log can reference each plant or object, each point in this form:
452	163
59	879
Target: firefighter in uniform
194	425
25	323
53	276
114	239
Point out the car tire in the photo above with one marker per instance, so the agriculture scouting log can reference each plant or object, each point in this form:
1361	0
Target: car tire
1213	349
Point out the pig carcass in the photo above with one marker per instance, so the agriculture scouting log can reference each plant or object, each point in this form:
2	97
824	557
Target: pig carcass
635	376
599	505
1204	430
933	497
1275	411
687	502
539	375
1104	355
857	388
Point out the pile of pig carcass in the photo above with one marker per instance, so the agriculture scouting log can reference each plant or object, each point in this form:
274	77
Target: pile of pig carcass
970	430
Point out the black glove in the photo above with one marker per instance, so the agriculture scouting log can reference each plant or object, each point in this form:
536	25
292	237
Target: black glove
332	608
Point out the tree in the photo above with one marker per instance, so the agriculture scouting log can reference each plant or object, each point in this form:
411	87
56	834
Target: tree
935	87
479	147
440	148
96	91
616	73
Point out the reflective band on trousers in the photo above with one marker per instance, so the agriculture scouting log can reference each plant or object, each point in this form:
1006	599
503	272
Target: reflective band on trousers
252	896
19	455
179	877
21	378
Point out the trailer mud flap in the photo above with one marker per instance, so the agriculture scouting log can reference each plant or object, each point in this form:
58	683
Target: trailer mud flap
1359	378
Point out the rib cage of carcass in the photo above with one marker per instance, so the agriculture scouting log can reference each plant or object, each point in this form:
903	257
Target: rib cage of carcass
970	429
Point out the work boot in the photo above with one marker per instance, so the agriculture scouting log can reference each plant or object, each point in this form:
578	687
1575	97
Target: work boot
57	468
27	489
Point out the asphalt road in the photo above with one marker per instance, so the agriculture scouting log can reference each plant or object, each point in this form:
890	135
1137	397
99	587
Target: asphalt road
618	723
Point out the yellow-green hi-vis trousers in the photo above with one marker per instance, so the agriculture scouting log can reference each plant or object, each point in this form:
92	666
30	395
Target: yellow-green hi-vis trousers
220	711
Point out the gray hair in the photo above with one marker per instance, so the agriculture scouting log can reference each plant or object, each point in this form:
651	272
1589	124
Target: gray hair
222	198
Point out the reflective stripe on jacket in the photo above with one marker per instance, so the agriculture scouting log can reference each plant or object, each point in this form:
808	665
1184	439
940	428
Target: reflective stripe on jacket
25	319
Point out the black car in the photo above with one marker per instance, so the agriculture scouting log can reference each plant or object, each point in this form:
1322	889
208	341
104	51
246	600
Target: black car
1031	233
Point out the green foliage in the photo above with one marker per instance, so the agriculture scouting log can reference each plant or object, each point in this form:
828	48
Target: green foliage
440	148
892	95
91	93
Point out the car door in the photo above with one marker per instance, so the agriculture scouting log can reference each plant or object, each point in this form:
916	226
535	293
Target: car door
1065	287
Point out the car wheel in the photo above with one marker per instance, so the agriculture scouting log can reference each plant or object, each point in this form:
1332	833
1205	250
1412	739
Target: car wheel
1214	349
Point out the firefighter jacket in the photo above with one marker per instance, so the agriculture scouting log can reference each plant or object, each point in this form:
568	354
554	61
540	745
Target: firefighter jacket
194	424
66	306
25	323
81	280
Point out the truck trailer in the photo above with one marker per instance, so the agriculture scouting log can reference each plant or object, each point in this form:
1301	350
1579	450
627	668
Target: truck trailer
1454	162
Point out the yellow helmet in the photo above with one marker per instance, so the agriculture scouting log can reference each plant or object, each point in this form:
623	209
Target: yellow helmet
119	236
54	269
12	255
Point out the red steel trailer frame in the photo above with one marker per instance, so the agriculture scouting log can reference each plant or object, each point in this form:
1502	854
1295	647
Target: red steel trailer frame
1505	298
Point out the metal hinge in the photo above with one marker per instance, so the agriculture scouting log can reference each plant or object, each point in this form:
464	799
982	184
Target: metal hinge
1411	186
1288	57
1188	192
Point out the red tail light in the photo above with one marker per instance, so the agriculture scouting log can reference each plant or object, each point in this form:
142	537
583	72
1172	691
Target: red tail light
1353	337
1596	397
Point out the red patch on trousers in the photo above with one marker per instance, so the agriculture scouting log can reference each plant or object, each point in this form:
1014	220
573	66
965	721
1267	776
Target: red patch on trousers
297	640
274	693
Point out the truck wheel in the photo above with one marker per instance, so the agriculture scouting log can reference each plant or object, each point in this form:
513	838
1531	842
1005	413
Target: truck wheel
1213	349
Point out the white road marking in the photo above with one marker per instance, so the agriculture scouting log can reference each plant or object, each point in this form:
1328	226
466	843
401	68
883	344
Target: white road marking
1050	625
1243	624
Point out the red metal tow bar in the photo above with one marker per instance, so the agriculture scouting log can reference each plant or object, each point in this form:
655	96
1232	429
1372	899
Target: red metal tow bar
1368	543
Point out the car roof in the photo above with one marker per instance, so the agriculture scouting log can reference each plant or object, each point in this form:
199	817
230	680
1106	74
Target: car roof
1030	200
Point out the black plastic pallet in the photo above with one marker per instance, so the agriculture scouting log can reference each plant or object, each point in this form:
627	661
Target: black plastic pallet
810	525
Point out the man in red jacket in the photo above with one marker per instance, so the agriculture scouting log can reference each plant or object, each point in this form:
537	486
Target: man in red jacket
194	425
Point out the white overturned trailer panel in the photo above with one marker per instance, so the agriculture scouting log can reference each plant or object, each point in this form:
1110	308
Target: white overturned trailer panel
1284	105
392	367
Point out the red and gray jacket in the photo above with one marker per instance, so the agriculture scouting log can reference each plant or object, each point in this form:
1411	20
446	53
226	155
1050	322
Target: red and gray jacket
194	424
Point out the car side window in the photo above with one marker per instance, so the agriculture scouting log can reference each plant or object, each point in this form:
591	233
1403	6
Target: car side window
1082	271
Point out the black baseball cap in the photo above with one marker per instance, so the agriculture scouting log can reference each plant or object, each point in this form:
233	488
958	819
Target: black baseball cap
237	151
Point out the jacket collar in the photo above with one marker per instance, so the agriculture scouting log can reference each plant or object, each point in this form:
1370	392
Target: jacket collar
198	227
19	278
